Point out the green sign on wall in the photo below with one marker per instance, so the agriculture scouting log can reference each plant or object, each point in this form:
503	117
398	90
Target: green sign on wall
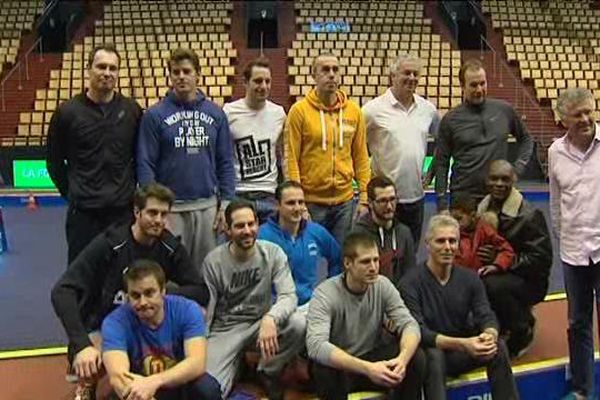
31	174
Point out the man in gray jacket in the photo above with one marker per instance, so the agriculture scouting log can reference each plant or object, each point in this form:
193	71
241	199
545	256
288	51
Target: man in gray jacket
346	337
474	134
241	314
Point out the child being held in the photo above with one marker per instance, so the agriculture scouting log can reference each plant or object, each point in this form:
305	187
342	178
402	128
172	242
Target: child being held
478	231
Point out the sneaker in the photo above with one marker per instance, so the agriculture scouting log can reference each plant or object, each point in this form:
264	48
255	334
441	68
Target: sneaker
85	391
574	396
519	345
71	376
272	386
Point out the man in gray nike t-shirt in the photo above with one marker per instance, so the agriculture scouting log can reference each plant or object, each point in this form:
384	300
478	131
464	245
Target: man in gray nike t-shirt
240	275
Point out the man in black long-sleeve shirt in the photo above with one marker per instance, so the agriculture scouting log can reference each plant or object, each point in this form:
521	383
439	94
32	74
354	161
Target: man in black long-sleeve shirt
92	285
458	328
474	134
90	154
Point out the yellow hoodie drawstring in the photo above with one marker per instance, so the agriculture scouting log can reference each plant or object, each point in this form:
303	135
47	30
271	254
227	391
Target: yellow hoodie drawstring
341	130
324	129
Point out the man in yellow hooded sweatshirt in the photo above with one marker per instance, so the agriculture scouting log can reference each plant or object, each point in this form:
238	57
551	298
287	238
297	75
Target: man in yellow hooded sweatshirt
326	147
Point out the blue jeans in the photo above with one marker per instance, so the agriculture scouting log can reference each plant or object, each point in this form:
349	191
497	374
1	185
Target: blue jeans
264	204
411	215
336	219
205	387
582	284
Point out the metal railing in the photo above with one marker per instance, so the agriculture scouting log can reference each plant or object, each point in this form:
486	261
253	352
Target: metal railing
451	17
496	70
22	64
521	97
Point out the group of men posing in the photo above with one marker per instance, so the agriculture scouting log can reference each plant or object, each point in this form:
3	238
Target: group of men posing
379	320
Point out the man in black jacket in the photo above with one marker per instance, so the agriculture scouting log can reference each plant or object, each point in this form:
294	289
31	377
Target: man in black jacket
92	285
394	239
512	294
90	159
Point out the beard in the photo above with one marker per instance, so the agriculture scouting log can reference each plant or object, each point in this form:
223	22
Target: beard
245	242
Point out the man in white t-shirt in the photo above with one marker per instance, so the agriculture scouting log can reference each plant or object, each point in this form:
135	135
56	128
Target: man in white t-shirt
398	124
256	125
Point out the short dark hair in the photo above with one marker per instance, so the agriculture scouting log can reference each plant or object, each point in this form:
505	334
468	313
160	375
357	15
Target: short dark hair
142	268
154	190
181	54
257	62
355	240
238	205
463	202
313	67
378	182
469	65
108	47
284	185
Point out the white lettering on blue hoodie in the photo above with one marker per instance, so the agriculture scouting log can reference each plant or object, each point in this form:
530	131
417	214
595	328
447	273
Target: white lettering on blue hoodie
187	147
304	252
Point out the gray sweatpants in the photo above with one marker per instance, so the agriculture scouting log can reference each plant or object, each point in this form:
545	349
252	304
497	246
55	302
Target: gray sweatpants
195	226
225	349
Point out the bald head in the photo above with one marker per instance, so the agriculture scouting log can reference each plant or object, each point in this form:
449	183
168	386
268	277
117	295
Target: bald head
326	73
501	165
320	59
500	179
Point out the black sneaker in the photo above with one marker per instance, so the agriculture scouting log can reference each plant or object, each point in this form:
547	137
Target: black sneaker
520	344
272	386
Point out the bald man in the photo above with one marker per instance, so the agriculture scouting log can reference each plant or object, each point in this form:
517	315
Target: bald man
326	148
513	293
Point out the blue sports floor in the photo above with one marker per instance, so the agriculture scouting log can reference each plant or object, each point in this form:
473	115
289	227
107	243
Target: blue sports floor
37	256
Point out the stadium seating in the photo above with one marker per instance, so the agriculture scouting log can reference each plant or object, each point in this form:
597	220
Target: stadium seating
556	47
378	32
144	35
15	17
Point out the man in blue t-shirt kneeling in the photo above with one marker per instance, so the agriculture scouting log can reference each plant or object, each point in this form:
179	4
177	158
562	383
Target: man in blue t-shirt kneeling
154	346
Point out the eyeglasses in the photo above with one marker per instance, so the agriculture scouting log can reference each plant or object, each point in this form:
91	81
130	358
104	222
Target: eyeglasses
385	201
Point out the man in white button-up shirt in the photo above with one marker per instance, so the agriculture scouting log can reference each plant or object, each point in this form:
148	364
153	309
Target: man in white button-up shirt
574	171
398	124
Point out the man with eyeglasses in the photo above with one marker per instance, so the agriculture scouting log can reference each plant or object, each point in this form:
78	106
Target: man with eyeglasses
394	239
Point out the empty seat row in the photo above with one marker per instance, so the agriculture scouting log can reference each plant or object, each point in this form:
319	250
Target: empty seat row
443	55
120	15
369	46
168	29
369	37
187	5
536	40
126	42
369	6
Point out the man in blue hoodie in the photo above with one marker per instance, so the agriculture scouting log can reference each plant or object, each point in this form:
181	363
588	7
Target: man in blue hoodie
304	242
184	143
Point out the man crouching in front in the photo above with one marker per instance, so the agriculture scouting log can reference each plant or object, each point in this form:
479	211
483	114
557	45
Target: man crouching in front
154	346
360	334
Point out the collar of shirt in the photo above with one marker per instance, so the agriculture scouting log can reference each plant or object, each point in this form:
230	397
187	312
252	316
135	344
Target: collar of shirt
569	148
511	205
395	103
